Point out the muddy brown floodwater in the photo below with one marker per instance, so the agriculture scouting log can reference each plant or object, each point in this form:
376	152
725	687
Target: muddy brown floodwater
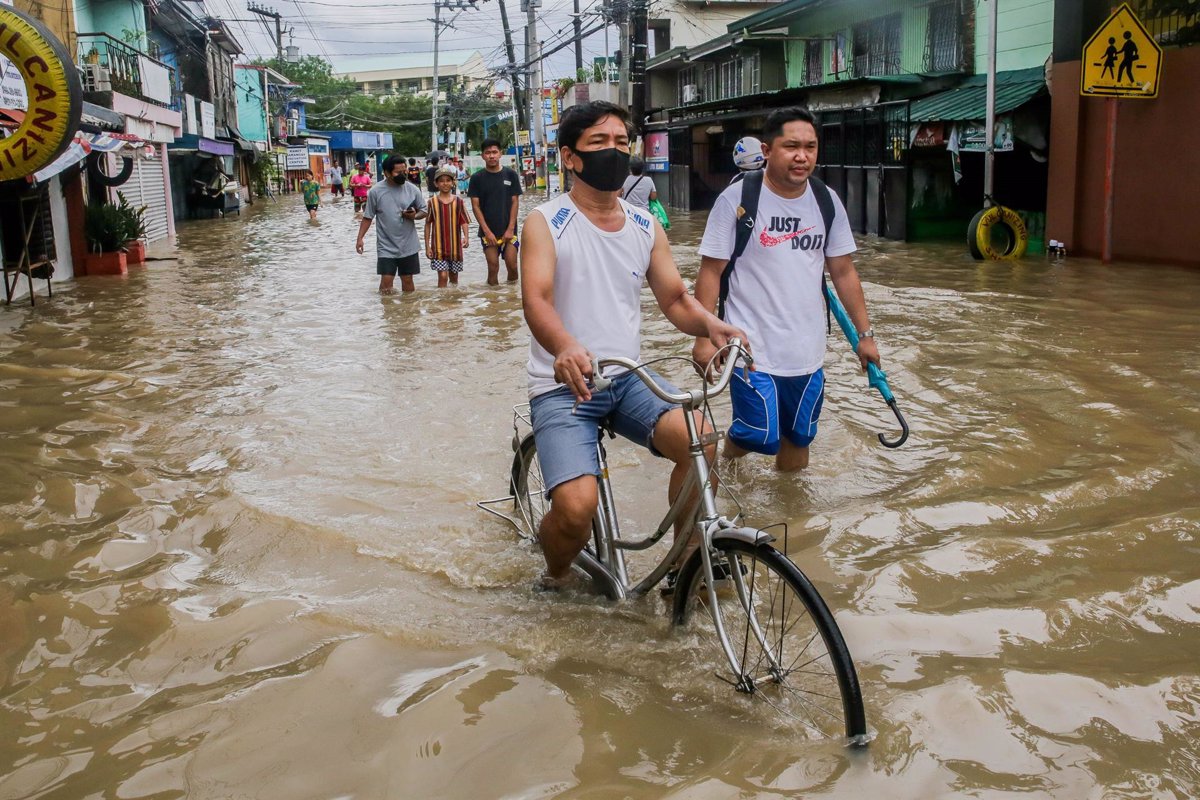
240	557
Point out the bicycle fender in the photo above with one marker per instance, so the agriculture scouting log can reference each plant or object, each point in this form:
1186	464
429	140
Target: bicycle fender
751	536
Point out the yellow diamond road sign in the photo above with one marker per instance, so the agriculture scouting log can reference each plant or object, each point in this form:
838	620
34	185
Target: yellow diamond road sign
1121	59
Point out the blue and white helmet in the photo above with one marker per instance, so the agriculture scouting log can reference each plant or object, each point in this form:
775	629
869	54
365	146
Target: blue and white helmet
748	155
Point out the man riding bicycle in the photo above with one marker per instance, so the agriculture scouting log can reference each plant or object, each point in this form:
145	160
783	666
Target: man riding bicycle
584	259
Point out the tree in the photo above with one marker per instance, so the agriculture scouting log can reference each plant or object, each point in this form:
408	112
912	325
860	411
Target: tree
339	105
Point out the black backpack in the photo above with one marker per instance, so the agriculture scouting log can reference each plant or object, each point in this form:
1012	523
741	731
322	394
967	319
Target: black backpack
748	214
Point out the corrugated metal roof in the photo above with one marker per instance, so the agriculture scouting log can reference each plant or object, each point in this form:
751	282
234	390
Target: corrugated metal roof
969	101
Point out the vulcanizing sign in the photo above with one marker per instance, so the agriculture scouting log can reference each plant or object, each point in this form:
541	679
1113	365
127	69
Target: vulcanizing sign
55	101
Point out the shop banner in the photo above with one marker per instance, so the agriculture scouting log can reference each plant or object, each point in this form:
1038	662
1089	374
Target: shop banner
928	134
208	120
156	80
972	135
656	153
12	86
297	157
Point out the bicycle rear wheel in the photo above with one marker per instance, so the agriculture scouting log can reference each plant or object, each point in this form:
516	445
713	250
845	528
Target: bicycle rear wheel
790	651
530	499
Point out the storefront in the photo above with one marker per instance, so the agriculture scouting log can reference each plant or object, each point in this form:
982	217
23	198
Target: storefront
203	177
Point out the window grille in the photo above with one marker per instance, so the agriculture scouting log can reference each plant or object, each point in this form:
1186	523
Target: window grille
814	62
943	47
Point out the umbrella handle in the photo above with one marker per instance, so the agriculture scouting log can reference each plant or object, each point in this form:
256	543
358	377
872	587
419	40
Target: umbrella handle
903	427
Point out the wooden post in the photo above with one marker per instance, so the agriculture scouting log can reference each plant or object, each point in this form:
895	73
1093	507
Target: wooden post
1110	168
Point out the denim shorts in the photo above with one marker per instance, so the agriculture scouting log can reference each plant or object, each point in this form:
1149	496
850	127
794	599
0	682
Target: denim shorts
566	442
766	407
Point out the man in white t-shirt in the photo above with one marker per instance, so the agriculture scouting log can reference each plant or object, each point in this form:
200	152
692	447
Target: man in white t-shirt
585	258
775	294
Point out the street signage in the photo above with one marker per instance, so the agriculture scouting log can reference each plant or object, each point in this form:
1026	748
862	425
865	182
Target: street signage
1121	59
297	157
51	96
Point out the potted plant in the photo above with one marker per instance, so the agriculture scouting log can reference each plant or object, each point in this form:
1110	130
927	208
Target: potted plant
105	228
135	229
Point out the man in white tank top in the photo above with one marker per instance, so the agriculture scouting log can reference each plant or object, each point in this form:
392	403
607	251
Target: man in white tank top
584	259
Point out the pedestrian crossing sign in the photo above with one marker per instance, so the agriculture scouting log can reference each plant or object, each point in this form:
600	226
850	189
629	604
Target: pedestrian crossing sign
1121	59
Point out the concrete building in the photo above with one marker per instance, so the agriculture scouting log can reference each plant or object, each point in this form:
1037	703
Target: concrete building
892	82
412	73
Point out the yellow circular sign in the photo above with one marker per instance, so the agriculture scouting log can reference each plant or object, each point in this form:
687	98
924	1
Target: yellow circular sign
52	86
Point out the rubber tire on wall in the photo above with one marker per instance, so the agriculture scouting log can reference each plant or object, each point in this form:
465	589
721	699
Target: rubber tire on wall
979	234
96	172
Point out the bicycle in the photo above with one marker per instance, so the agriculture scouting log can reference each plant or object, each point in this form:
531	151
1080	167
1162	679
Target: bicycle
779	640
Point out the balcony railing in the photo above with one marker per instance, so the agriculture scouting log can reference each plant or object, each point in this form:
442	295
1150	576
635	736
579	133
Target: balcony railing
109	65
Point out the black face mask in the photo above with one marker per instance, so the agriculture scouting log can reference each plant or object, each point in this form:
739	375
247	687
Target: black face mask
400	177
603	170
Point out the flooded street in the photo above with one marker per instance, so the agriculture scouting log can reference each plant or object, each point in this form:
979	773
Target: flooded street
240	555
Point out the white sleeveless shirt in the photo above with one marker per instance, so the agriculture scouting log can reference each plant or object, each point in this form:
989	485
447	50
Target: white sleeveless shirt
598	279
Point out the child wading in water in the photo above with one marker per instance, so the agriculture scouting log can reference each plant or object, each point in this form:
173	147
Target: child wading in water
446	228
312	194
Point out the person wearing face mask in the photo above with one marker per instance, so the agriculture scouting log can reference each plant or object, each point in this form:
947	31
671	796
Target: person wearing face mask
396	205
584	259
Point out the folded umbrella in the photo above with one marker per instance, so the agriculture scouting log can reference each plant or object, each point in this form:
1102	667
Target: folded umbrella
875	376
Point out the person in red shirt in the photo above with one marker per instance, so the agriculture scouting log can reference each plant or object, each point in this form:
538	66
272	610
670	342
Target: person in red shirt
446	228
360	185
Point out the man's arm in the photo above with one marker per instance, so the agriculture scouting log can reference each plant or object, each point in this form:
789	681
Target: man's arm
849	291
572	362
488	236
683	310
362	231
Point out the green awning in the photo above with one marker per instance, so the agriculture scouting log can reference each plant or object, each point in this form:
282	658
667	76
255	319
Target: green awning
969	100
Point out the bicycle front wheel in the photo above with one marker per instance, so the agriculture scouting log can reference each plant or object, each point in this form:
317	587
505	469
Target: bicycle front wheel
789	650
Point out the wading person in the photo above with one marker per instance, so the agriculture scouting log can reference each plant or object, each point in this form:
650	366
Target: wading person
586	256
360	185
447	229
312	194
395	205
638	189
495	193
775	290
336	189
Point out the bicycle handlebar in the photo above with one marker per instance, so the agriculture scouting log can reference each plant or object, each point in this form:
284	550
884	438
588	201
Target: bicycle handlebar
683	398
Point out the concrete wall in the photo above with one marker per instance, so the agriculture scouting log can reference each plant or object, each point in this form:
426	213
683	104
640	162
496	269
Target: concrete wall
692	23
60	19
1157	163
1025	33
114	17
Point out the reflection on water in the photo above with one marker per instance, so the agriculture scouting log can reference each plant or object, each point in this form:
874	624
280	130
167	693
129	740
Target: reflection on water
239	554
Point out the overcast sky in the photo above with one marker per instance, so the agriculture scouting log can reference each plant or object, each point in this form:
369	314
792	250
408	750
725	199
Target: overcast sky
333	28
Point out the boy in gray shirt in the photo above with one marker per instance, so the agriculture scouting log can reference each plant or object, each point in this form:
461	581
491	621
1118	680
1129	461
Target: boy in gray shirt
396	204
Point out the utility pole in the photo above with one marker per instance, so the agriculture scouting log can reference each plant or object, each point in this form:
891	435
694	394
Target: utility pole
533	60
519	120
621	8
255	8
438	5
639	26
578	26
989	158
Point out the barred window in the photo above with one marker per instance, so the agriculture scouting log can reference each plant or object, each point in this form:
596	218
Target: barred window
877	47
943	48
814	62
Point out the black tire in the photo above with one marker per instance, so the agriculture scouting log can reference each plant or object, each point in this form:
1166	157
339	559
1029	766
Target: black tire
815	673
972	235
96	171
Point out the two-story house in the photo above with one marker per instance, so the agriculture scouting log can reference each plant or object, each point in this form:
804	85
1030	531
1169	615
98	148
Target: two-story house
121	70
863	66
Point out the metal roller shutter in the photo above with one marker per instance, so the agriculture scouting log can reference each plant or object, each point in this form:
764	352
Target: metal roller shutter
145	187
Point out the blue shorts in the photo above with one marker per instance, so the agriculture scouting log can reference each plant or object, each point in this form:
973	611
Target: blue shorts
566	442
766	406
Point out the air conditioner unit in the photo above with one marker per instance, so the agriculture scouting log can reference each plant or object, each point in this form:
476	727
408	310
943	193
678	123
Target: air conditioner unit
293	127
691	93
96	78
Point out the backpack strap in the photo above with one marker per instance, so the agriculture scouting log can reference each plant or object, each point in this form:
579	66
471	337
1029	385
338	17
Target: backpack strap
825	203
747	215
